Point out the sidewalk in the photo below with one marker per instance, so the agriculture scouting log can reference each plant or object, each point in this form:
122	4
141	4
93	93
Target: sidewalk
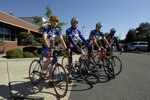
16	72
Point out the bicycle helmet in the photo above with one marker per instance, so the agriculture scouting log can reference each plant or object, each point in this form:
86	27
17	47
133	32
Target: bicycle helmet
99	24
112	30
54	18
74	19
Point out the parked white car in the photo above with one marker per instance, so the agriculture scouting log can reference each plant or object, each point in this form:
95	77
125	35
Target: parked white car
139	46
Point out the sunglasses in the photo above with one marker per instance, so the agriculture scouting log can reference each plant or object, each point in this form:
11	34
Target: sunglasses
75	22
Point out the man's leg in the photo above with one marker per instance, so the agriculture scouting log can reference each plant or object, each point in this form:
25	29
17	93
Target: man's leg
69	61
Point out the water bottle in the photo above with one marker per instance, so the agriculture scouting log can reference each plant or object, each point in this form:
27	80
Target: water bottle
74	63
75	66
57	76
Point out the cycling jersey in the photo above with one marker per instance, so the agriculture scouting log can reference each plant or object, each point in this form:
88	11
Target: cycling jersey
52	33
110	38
95	33
72	35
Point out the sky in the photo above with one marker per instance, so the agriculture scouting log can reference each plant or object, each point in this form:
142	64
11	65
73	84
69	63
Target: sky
119	14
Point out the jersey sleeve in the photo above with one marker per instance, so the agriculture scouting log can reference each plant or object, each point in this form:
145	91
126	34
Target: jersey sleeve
58	32
83	39
45	29
69	36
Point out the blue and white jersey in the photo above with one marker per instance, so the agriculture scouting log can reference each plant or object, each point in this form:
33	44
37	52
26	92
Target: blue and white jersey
52	33
96	34
109	37
72	35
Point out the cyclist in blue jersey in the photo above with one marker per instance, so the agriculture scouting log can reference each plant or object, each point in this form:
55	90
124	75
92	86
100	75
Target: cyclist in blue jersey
72	34
110	38
49	34
94	36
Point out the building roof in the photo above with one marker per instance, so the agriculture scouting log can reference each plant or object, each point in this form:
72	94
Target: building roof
30	20
12	20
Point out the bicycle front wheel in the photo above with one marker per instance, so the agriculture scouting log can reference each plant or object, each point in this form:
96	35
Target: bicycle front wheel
117	65
60	80
89	71
35	72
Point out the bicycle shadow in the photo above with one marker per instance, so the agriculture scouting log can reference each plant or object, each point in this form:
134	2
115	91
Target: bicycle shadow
20	90
79	85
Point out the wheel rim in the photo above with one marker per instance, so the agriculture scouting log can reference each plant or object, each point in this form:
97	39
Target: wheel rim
60	81
35	72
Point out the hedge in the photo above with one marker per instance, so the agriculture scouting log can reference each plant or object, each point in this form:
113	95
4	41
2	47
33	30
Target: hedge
14	53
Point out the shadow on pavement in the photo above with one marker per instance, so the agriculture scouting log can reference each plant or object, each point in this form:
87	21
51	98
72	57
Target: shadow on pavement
19	90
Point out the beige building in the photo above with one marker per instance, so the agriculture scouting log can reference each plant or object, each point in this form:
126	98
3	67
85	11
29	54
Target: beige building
11	26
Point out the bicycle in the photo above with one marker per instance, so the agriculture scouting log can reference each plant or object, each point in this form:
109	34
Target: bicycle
116	62
83	68
100	59
59	75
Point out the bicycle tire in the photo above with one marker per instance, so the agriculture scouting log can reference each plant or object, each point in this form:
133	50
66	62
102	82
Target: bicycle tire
95	58
35	72
108	67
64	61
117	65
89	71
60	80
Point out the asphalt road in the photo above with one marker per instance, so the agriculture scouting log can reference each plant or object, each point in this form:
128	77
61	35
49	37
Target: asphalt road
132	84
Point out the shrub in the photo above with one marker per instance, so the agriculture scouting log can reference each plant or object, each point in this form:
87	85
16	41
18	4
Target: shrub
30	49
14	53
1	42
28	55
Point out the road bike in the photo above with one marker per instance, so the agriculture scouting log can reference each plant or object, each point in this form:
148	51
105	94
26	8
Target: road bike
59	75
83	68
100	59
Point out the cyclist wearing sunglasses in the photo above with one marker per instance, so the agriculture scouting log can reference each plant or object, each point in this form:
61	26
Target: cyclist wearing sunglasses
72	34
49	34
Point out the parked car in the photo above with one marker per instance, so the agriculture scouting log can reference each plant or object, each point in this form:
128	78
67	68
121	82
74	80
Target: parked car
138	46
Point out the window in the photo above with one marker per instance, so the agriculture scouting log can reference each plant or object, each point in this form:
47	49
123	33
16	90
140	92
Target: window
143	43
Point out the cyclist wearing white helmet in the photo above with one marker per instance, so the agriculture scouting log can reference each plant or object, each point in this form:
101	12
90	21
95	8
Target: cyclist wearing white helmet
72	34
94	36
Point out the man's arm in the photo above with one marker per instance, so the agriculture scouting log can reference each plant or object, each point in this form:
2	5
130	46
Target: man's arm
83	40
106	42
44	40
62	41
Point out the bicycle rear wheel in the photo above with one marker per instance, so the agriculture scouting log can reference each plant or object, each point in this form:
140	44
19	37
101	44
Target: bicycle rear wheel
60	80
117	65
35	72
89	71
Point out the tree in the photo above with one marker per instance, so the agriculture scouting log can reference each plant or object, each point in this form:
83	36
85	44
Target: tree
38	20
142	31
131	36
48	12
25	38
